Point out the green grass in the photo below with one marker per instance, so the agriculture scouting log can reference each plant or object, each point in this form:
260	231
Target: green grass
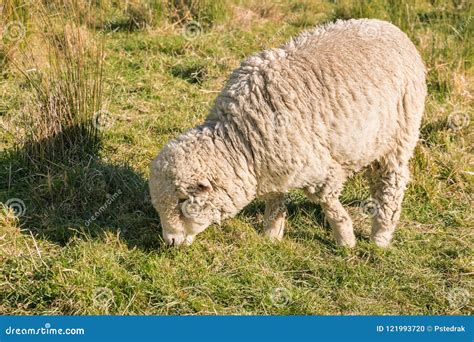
158	83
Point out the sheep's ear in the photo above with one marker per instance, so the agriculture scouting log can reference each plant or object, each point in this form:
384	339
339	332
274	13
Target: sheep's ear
199	188
203	186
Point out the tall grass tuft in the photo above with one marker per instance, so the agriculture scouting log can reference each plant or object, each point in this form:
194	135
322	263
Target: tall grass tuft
62	66
12	12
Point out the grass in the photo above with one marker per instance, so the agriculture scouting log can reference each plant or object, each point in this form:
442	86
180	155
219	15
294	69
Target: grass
157	83
61	115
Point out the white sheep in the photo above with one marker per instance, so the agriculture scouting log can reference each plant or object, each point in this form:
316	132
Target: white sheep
334	100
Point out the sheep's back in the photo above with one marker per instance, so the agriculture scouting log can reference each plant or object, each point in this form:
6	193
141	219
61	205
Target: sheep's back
337	93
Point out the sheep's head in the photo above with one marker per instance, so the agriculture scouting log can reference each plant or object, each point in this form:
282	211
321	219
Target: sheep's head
183	197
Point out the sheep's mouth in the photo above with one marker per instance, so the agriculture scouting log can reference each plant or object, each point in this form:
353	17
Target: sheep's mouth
178	240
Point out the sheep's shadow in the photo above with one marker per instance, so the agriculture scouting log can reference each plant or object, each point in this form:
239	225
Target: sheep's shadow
81	197
86	196
299	207
295	207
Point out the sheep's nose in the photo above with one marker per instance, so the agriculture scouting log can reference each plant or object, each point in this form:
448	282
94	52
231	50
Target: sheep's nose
174	239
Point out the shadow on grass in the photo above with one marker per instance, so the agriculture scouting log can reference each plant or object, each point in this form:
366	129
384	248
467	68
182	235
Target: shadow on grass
299	208
296	208
82	197
85	197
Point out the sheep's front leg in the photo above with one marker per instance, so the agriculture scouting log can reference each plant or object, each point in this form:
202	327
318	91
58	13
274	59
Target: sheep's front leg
274	219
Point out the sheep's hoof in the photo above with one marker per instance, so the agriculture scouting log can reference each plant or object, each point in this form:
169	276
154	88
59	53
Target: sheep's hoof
381	241
345	240
350	243
274	234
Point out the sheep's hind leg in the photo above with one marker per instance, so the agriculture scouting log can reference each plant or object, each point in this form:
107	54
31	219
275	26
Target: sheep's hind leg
337	216
340	222
387	187
274	219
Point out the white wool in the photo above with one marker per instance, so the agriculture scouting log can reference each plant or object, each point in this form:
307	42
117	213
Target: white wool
334	100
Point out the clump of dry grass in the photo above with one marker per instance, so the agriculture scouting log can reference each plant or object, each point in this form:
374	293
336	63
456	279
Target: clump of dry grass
13	22
66	90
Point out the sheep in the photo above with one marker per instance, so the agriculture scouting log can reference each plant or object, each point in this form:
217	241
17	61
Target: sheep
332	101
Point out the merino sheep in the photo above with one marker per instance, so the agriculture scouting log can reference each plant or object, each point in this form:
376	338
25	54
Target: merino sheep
307	115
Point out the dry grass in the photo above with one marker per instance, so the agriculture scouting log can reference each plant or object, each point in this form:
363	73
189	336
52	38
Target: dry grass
159	81
61	66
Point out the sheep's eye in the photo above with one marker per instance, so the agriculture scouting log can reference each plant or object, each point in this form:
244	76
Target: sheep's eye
182	200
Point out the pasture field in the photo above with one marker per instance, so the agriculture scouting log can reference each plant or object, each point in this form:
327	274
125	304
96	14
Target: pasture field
90	93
